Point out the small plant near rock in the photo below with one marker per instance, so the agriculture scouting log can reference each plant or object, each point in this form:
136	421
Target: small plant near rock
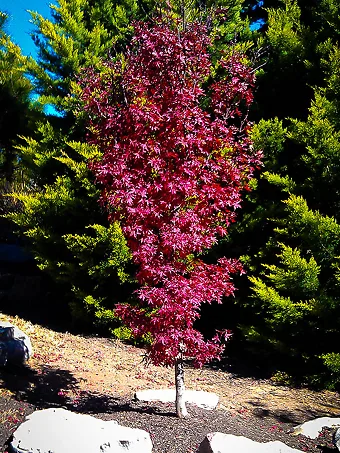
281	378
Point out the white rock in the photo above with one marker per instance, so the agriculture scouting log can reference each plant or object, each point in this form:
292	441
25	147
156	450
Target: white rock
62	431
313	428
15	345
202	399
336	439
228	443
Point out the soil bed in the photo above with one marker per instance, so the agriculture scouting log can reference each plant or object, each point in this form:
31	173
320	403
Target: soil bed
99	376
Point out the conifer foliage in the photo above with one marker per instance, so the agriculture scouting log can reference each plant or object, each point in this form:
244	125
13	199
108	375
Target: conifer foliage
69	235
18	114
172	173
294	306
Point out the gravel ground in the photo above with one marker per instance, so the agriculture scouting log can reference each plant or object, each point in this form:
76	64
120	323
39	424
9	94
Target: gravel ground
170	434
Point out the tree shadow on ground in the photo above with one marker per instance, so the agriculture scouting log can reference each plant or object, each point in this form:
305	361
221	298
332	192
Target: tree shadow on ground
92	403
282	418
42	388
53	387
295	416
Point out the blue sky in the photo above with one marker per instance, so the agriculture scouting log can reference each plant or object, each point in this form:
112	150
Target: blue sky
18	26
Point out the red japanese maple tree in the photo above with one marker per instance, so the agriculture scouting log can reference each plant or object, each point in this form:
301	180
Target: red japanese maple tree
176	156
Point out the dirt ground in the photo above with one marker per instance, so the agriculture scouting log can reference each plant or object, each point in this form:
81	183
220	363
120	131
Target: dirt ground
99	376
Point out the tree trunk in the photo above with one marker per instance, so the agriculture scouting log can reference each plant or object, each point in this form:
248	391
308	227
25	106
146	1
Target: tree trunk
181	409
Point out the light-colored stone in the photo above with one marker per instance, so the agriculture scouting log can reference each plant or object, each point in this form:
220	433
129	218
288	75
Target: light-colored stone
228	443
15	345
202	399
336	439
62	431
313	428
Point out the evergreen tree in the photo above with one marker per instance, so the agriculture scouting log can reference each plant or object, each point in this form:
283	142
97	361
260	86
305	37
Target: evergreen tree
296	296
18	115
70	236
